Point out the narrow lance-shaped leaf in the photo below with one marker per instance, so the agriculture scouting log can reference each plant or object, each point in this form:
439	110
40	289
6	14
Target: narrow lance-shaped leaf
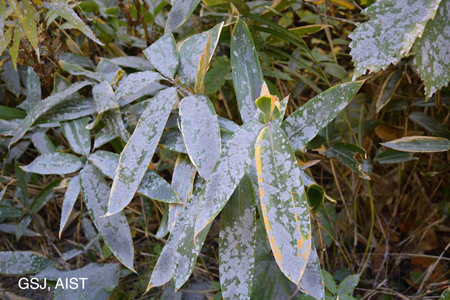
105	161
236	157
70	197
432	50
42	142
133	84
430	124
312	281
163	54
348	284
283	202
201	132
61	8
390	33
78	70
134	62
306	122
163	228
22	262
190	51
33	88
44	106
351	155
183	184
419	144
237	242
114	229
77	135
391	156
54	163
139	150
180	12
247	74
44	196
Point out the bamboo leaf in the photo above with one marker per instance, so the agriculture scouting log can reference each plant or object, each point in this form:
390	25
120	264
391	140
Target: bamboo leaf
430	124
70	197
114	229
33	89
236	157
312	281
42	143
105	161
134	62
180	12
139	150
78	70
133	84
163	228
62	9
419	144
54	163
155	187
163	55
391	156
190	51
246	70
390	33
283	202
351	155
237	242
44	196
200	127
216	76
306	122
22	262
348	285
77	135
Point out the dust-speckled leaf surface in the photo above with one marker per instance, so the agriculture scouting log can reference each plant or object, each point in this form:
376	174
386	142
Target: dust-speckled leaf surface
114	122
103	137
430	124
77	135
54	163
432	48
45	195
79	70
236	157
33	88
247	74
183	184
99	285
237	242
351	155
42	142
312	281
114	229
105	161
190	51
348	284
180	12
391	156
139	150
201	132
155	187
173	140
22	262
62	9
44	106
163	55
390	33
70	197
133	84
306	122
419	144
163	228
134	62
283	202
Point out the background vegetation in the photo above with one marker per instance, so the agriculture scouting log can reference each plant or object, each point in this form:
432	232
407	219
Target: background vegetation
382	231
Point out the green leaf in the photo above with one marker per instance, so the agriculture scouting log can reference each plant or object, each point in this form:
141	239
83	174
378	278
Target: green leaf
183	184
155	187
54	163
312	281
109	71
103	137
42	143
173	140
432	51
78	70
391	156
33	89
11	77
348	285
316	197
114	229
388	88
139	150
68	110
237	242
8	113
200	127
390	33
190	51
62	9
351	155
329	282
283	202
14	50
216	76
163	228
5	39
22	227
236	157
180	12
22	262
430	124
133	84
11	212
247	74
77	135
44	106
134	62
44	196
163	55
105	161
114	122
22	188
419	144
445	295
70	197
306	122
